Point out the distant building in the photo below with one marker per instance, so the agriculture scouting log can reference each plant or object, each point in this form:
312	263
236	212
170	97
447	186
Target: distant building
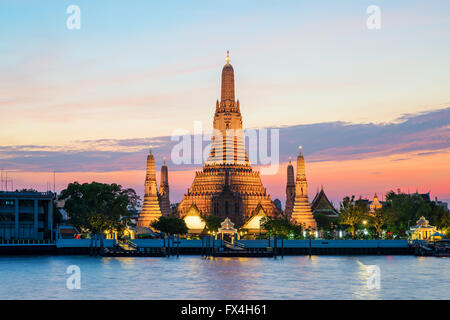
425	196
321	205
254	225
441	204
26	215
422	231
194	221
375	204
277	203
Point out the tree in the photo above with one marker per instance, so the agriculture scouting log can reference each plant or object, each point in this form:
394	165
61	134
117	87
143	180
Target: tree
281	227
324	222
99	207
440	217
403	210
212	222
352	212
377	221
28	190
170	225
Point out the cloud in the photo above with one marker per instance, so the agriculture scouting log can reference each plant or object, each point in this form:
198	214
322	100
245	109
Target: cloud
423	133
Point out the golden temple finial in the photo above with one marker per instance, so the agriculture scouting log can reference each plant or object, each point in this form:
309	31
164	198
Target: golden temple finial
228	57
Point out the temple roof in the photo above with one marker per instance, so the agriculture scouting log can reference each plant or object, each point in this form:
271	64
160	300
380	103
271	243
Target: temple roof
321	204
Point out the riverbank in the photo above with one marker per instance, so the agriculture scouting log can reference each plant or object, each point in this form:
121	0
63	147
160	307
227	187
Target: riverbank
210	247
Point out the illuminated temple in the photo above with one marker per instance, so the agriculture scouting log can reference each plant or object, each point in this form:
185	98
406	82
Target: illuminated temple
227	186
150	209
300	211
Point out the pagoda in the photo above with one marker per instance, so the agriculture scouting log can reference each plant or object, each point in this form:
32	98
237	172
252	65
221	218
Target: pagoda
150	209
227	186
290	190
163	194
375	204
301	211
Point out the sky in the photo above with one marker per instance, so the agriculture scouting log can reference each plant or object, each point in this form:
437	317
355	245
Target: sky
370	107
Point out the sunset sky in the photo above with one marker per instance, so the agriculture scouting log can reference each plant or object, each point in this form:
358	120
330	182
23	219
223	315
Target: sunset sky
370	107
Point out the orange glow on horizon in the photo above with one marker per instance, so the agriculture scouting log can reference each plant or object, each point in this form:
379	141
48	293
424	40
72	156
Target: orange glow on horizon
364	177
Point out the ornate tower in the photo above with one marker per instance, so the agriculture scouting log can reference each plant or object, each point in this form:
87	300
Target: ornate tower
227	186
290	190
150	209
163	196
301	212
228	137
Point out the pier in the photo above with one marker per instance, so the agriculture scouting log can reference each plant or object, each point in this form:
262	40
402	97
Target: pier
206	247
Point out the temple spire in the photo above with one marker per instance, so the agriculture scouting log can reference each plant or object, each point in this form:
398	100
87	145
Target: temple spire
227	96
150	208
301	212
290	189
163	195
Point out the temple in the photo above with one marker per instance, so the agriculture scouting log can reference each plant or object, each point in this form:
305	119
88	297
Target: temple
163	195
301	211
227	186
150	209
290	190
321	205
375	204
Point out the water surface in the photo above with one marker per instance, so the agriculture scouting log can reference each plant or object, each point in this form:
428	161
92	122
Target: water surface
192	277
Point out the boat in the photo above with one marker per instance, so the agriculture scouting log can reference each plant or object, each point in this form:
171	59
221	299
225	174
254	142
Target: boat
442	248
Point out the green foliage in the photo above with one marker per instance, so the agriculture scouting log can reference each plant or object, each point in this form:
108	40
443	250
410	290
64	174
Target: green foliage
212	222
352	212
377	221
170	225
98	207
28	190
281	227
324	222
403	210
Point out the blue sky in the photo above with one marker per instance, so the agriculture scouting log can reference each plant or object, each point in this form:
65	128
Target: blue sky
142	69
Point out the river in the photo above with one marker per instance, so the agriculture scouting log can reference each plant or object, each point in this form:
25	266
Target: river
192	277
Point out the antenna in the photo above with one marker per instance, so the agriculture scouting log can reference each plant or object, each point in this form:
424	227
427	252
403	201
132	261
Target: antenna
6	180
54	182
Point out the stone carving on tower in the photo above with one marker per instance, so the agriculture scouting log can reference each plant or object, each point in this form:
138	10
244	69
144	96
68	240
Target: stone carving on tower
301	212
163	195
227	186
150	209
